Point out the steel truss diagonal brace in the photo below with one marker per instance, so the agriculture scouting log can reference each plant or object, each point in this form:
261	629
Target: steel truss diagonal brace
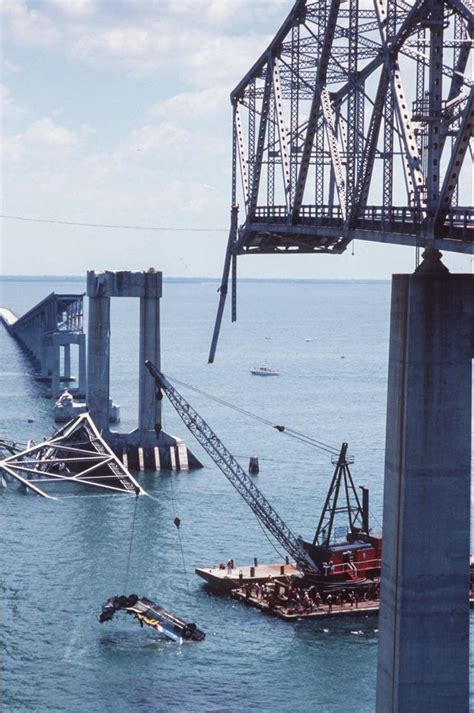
334	149
242	157
257	172
464	8
419	8
417	186
455	89
453	169
405	30
415	179
316	103
24	482
366	169
79	465
282	132
225	281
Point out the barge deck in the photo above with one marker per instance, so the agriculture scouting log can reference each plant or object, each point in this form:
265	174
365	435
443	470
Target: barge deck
323	611
226	579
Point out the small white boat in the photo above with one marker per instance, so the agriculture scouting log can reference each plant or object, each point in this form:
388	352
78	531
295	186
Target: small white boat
264	371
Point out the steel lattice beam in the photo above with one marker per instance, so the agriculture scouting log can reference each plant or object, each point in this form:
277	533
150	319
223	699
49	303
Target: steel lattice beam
348	111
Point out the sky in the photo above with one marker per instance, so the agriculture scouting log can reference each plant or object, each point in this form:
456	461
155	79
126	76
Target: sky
117	112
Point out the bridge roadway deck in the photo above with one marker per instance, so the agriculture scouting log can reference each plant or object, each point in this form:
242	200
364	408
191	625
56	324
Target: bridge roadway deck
323	229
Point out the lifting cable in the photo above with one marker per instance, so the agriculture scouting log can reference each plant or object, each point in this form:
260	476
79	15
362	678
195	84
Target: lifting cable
127	571
282	556
177	523
298	435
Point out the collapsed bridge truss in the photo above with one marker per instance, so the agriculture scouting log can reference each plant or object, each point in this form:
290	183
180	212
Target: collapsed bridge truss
75	454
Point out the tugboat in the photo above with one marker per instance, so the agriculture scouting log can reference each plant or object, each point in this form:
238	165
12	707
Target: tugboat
349	556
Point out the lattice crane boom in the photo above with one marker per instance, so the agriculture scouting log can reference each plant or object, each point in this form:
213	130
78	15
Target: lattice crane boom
229	466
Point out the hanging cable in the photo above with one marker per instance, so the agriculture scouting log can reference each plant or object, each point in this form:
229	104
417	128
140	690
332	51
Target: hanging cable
270	540
218	400
242	456
177	522
304	438
127	571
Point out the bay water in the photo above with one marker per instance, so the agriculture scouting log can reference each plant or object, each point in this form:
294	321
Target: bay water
60	560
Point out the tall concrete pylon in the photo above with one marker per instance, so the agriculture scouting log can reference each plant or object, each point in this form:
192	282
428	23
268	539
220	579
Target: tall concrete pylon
101	287
143	447
423	657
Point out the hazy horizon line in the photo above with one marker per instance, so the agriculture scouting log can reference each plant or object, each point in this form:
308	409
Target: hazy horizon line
82	278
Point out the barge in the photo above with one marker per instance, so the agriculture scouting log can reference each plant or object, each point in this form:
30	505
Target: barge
274	600
224	579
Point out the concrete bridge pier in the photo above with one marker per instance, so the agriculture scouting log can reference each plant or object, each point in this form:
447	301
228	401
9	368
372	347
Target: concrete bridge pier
423	657
146	447
98	360
149	408
82	366
63	340
67	362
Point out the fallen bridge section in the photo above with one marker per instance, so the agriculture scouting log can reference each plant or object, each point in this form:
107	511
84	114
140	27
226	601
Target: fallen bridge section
75	454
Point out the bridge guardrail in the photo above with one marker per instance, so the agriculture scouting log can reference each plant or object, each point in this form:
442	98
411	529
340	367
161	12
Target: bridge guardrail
400	218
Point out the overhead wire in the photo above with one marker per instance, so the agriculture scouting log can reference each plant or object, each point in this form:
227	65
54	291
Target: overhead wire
115	226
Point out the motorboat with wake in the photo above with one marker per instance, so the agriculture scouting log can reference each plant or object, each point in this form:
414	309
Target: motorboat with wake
264	371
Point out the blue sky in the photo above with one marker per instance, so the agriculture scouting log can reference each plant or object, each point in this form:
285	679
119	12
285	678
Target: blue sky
117	112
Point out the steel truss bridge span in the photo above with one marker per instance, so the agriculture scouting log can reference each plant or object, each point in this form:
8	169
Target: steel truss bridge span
354	124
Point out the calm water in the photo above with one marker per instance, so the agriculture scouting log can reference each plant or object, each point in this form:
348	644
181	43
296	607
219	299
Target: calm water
61	560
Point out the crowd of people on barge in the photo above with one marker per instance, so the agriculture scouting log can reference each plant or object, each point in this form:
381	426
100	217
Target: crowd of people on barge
293	597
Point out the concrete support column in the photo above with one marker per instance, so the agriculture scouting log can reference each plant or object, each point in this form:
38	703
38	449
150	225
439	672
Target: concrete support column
149	408
423	657
55	367
82	374
98	355
45	359
67	362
